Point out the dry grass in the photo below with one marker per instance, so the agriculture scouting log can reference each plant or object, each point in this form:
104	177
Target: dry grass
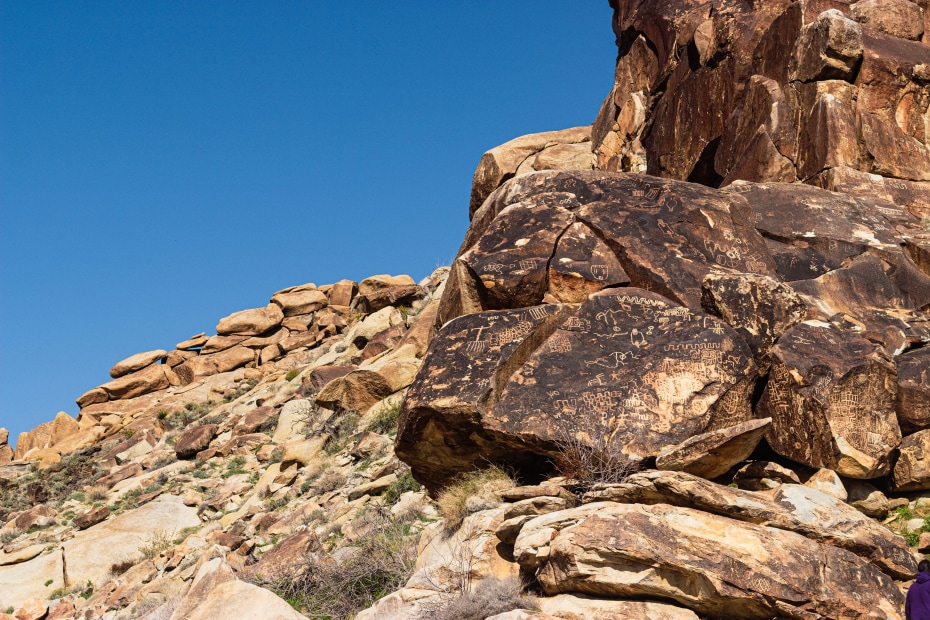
471	492
589	456
97	493
492	596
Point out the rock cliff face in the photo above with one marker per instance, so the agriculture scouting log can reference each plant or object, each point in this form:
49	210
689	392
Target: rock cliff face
696	331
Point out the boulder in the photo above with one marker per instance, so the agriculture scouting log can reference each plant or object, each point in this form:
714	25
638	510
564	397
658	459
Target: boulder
712	454
365	386
342	293
382	282
193	440
630	365
912	469
582	607
582	264
192	343
898	18
913	401
440	430
26	580
792	507
92	397
149	379
299	300
91	517
826	481
137	362
710	564
831	398
251	322
378	299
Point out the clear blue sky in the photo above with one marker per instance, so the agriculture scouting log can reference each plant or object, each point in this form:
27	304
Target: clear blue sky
163	164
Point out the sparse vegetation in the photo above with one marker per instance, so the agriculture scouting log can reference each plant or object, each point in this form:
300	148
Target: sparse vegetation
9	535
245	386
588	456
341	428
156	543
291	374
325	590
404	483
385	421
492	596
471	492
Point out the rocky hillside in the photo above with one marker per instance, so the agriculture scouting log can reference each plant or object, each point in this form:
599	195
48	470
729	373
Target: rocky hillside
678	369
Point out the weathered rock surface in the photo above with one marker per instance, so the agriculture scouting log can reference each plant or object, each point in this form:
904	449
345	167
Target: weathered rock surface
633	365
251	322
712	454
912	469
793	507
137	362
831	397
913	401
192	441
705	562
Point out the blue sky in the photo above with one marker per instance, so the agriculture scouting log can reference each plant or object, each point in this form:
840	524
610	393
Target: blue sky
163	164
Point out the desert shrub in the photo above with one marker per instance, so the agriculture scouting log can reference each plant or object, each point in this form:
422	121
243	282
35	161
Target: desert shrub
588	456
340	429
471	492
120	567
156	543
9	535
276	455
492	596
291	374
243	388
385	420
404	483
329	480
97	493
325	590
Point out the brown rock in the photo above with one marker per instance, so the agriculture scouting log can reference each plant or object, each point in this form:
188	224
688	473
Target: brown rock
377	299
898	18
501	163
676	553
91	517
322	375
251	421
384	341
194	342
193	440
761	309
763	475
913	402
365	386
912	469
33	609
175	358
712	454
299	300
137	362
92	397
828	139
290	555
423	330
892	151
6	454
215	344
582	264
382	282
631	365
37	516
149	379
129	471
251	322
440	432
206	365
795	508
831	399
342	293
829	48
826	481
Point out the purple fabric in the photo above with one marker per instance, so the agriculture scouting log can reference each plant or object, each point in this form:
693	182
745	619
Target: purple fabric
917	606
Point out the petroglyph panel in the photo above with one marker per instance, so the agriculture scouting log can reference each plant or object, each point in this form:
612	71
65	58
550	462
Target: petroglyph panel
831	396
465	367
582	264
510	260
633	365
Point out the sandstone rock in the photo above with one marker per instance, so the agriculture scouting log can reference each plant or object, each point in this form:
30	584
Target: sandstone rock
91	517
763	475
302	452
215	592
21	555
912	469
502	162
381	298
581	607
826	481
192	343
867	499
25	580
631	365
831	399
193	440
37	516
913	402
147	380
440	428
582	264
218	343
92	397
4	435
299	300
382	282
118	475
206	365
342	293
760	308
365	386
795	508
137	362
293	420
384	341
254	419
33	609
712	454
705	562
375	487
6	454
899	18
251	322
829	48
322	375
289	557
828	138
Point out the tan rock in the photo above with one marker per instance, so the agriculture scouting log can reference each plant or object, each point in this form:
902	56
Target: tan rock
384	281
829	48
300	301
21	555
92	397
899	18
912	469
251	322
137	362
149	379
303	452
713	454
20	582
4	435
218	343
91	517
194	342
342	293
193	440
708	563
581	607
362	388
206	365
33	609
375	487
826	481
6	454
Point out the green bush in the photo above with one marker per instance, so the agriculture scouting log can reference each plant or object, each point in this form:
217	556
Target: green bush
291	374
404	483
385	420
